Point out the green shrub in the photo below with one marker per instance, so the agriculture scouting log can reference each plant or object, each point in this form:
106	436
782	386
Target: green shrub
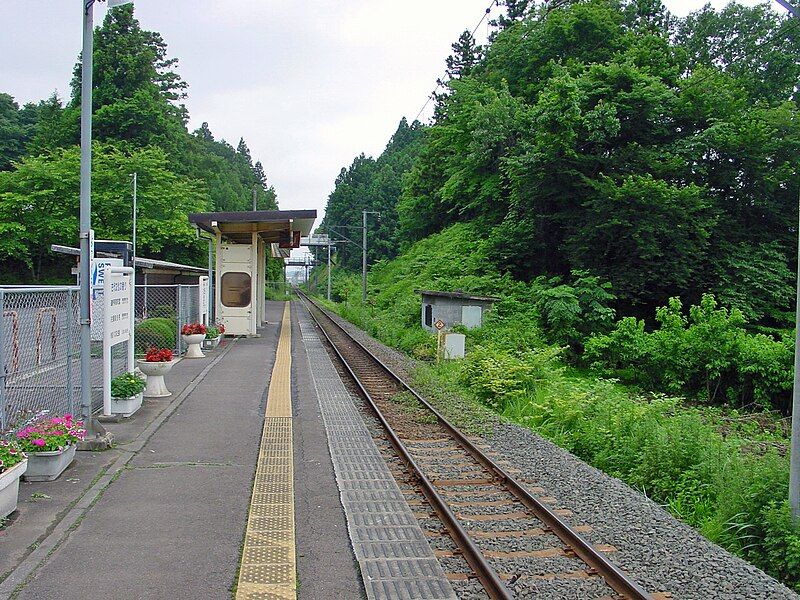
163	311
708	355
160	332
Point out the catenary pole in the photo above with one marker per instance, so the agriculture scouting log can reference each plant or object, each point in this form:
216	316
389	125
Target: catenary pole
87	8
329	271
364	257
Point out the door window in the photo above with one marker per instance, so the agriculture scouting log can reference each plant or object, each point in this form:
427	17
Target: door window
235	290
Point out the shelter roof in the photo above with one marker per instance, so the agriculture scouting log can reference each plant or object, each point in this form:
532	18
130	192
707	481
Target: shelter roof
283	227
457	296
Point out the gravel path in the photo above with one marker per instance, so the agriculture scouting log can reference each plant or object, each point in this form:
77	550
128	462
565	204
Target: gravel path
664	554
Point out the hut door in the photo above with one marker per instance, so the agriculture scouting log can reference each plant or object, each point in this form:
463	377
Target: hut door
235	292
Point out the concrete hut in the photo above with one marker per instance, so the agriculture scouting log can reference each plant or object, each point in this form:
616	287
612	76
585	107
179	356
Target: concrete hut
453	308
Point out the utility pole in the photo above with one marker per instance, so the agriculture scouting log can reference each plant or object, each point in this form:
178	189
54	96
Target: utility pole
364	214
794	462
329	270
364	258
255	196
86	235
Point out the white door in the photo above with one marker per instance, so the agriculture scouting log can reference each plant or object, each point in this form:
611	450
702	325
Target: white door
471	316
235	289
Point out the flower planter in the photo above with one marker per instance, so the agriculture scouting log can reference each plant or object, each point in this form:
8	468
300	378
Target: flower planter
47	466
210	344
126	406
193	341
155	371
9	488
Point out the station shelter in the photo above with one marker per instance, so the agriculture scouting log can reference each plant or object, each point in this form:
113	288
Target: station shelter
243	240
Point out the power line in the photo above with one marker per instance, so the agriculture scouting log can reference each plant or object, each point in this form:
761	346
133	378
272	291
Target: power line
440	82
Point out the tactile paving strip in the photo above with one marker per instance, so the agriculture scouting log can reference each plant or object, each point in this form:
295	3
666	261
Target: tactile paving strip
268	569
393	554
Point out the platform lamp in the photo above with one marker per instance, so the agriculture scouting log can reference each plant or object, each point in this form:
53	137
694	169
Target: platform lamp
86	233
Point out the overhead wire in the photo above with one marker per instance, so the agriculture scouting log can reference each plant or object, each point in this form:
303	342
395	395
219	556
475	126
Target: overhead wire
440	81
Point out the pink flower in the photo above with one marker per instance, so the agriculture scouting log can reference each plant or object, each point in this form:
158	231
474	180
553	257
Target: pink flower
38	442
56	420
68	417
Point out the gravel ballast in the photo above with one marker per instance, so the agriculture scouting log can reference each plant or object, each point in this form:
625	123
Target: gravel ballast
663	554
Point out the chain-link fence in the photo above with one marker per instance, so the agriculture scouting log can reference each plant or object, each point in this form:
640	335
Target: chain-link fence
161	312
39	342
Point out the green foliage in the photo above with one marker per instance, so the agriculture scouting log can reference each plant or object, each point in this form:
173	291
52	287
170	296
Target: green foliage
572	312
159	332
139	126
707	354
126	385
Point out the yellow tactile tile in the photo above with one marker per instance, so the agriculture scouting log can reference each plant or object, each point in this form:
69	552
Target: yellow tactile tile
279	398
268	569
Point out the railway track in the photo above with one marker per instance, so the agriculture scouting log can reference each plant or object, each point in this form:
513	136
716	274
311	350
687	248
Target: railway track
503	535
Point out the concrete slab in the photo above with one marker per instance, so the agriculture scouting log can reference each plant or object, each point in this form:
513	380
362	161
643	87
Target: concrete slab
171	525
326	565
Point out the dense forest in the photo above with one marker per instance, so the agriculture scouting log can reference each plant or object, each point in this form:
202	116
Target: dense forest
626	182
657	153
139	126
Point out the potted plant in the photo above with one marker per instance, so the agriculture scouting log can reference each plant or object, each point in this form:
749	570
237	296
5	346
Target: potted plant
193	335
126	394
12	466
50	444
157	363
213	336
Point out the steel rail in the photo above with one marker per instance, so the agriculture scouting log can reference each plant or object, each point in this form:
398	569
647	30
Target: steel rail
484	571
613	575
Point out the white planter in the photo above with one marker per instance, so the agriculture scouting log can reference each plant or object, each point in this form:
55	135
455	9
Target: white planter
9	488
126	406
155	371
193	341
210	344
47	466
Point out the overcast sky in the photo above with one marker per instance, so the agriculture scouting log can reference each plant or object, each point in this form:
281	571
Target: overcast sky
309	85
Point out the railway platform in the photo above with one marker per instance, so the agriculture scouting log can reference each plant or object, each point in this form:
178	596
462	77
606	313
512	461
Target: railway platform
267	475
200	497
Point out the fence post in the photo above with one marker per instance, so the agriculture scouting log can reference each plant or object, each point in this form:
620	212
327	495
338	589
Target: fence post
69	321
179	302
3	415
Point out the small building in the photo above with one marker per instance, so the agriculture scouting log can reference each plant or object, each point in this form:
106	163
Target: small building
243	240
453	308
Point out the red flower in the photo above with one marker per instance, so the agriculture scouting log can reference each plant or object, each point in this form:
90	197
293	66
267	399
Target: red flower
158	355
193	329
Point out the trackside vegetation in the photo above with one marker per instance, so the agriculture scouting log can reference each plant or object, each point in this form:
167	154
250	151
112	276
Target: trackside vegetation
697	447
626	181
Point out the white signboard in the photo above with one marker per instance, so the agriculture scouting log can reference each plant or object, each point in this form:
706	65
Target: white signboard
117	302
98	276
202	301
118	306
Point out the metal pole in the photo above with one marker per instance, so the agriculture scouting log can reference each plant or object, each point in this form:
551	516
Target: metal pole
210	281
131	338
255	196
794	464
329	272
364	258
70	383
3	415
86	208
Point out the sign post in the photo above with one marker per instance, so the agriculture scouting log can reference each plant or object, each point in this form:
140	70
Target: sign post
117	323
202	301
